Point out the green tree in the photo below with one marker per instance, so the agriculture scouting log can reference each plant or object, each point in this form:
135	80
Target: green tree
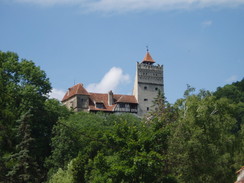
78	133
25	169
64	176
234	91
235	94
106	148
202	146
24	86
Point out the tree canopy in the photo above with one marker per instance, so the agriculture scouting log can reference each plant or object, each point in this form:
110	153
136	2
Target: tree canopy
24	87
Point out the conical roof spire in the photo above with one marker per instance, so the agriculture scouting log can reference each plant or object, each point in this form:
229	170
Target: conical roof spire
148	58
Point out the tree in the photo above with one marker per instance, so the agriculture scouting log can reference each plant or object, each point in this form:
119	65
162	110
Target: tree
202	146
78	133
25	169
234	91
235	95
24	86
106	148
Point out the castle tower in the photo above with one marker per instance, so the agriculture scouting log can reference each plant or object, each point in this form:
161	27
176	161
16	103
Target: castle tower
148	82
76	98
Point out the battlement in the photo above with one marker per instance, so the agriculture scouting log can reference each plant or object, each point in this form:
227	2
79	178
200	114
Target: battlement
147	66
150	73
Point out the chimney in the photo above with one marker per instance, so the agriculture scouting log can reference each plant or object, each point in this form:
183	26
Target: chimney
110	98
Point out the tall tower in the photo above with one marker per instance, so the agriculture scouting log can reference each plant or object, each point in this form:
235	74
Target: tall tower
148	82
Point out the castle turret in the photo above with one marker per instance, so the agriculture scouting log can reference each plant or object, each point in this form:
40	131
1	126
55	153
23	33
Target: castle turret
148	82
76	98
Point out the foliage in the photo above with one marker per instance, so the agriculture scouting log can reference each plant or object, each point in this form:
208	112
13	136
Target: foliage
200	138
234	91
25	168
194	140
64	176
202	144
112	148
24	86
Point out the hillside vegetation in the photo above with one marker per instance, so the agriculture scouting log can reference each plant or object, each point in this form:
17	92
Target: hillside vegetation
199	138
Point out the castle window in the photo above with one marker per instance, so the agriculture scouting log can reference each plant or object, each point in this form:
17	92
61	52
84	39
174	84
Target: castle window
156	89
145	99
145	87
122	105
147	108
100	105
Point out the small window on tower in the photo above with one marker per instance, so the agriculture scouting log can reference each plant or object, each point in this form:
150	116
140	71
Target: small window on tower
156	89
145	87
147	108
145	99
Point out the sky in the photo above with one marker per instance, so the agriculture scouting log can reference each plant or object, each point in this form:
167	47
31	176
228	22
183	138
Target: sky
98	42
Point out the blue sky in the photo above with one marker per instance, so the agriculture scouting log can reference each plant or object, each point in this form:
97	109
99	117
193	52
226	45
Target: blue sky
98	42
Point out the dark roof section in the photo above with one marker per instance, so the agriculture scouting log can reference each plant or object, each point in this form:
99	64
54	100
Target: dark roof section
103	98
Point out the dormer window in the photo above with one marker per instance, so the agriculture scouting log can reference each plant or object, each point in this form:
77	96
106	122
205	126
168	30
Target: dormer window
100	105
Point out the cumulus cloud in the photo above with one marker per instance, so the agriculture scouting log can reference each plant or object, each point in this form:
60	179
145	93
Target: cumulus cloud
138	5
231	79
57	94
110	81
207	23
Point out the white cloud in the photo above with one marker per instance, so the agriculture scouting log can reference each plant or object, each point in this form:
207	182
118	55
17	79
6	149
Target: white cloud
57	94
138	5
110	81
231	79
207	23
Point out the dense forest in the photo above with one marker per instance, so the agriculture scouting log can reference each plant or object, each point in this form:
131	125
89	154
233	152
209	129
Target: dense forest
199	138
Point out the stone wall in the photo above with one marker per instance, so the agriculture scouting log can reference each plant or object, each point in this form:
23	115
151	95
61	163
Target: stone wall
149	80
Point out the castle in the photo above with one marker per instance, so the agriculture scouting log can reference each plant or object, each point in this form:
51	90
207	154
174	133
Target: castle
148	82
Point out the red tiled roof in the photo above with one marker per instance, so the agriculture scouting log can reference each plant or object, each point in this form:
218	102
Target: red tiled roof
99	98
127	99
103	98
148	58
75	90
